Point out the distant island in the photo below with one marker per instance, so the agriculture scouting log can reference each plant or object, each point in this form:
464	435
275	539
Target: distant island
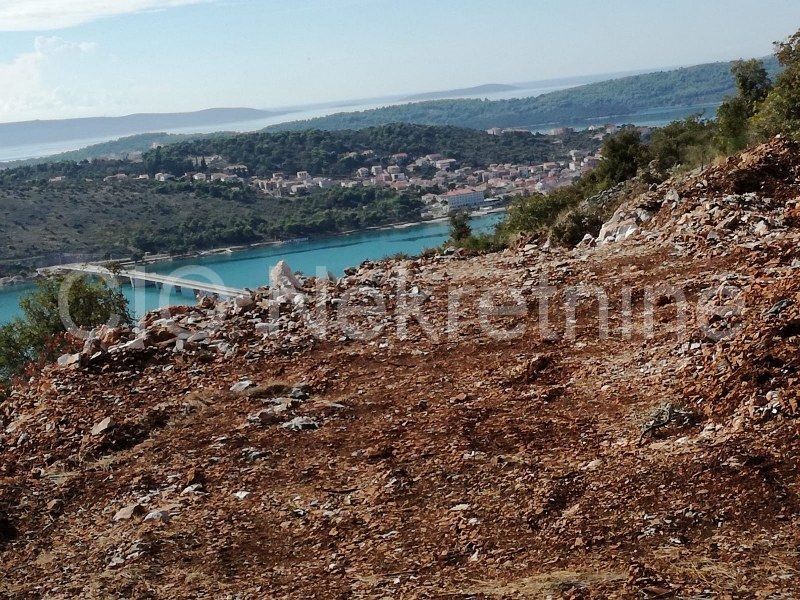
702	85
490	88
36	132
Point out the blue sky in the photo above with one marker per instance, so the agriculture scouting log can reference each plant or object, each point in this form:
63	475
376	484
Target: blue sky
68	58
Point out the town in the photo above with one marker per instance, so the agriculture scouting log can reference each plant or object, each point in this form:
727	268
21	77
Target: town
444	184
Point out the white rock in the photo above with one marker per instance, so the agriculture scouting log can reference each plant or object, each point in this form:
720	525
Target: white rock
157	515
282	277
68	359
300	423
129	512
241	386
192	489
198	336
103	426
134	344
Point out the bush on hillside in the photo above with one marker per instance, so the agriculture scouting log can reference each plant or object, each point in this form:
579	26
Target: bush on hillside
573	225
779	113
41	334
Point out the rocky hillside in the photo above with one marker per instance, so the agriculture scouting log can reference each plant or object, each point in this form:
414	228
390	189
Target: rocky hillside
233	450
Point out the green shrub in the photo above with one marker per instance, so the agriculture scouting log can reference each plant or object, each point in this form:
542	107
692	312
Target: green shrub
572	226
42	335
779	113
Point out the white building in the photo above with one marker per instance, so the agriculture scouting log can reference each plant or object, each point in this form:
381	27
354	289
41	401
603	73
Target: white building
467	198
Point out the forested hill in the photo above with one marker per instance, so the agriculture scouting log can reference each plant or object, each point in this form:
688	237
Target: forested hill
690	86
81	214
340	153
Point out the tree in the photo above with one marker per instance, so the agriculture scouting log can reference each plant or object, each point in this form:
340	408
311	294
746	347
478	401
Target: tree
779	113
733	117
623	154
460	228
688	142
734	114
752	81
41	334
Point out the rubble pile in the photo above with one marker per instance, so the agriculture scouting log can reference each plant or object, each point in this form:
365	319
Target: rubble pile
275	446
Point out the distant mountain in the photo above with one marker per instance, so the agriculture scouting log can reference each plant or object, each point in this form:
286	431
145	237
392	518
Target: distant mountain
685	88
702	85
38	132
489	88
119	149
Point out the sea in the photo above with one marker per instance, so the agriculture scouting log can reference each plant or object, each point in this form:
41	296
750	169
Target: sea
250	268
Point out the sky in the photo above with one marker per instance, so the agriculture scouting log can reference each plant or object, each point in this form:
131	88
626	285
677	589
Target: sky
74	58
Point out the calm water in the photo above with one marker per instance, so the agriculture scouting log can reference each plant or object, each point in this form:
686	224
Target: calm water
250	268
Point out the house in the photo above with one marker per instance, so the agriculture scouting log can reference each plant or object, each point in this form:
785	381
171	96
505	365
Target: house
200	177
299	189
240	170
494	131
225	178
117	177
265	185
591	162
462	199
303	176
57	179
376	170
214	161
400	158
164	177
445	163
362	173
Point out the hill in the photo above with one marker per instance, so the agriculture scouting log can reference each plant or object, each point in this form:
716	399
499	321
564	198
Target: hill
233	449
34	132
687	87
119	149
49	223
489	88
62	208
330	152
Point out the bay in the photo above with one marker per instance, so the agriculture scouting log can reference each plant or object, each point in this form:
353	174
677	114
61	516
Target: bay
250	268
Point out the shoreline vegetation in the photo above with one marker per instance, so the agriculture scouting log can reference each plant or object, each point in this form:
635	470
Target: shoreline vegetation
118	209
8	282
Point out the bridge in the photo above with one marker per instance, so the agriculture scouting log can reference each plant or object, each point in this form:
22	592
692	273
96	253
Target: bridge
143	279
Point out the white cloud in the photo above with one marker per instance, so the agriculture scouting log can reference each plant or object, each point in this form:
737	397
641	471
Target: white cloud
41	15
26	87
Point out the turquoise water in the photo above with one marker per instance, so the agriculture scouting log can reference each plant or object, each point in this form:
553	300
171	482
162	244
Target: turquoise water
250	268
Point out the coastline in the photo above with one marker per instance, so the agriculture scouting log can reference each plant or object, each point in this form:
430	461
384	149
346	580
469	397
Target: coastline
162	258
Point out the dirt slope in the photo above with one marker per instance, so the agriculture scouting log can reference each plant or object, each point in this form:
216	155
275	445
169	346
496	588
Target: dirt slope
421	465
